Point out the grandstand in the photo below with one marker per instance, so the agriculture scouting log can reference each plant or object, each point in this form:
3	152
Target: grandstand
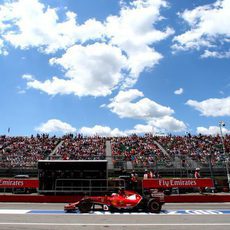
174	156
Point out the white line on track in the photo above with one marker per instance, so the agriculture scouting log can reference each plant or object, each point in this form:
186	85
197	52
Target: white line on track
13	211
108	224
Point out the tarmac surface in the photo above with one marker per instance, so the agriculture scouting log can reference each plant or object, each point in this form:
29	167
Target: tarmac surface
41	216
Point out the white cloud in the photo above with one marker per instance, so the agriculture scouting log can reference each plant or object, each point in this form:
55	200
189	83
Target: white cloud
215	54
156	116
167	124
136	38
179	91
55	126
209	28
212	130
212	107
164	125
144	108
106	131
29	23
140	129
101	131
90	70
27	77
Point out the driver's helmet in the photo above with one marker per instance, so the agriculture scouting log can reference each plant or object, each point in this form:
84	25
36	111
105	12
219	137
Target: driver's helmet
121	191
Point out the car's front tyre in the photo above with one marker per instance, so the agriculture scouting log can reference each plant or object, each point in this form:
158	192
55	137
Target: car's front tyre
85	206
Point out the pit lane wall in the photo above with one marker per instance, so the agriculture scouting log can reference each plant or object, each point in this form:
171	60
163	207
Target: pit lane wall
19	183
164	183
146	184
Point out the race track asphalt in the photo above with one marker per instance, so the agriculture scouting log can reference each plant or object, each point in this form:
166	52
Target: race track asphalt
37	216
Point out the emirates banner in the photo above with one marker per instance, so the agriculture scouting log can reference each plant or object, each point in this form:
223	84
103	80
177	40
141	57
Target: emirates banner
18	183
177	183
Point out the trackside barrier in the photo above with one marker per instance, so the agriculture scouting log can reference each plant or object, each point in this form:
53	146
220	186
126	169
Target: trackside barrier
86	186
6	183
103	185
177	183
197	198
18	183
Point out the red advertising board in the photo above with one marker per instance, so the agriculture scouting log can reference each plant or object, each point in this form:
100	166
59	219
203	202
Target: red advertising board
18	183
177	183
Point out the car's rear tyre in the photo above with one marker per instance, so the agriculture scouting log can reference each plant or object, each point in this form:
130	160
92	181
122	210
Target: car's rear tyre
154	206
85	206
70	211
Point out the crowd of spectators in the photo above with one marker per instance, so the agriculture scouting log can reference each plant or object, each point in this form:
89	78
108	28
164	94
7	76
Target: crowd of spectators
81	148
142	151
204	149
24	152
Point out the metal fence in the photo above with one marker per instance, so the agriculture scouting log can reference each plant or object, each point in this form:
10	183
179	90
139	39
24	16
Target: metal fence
84	186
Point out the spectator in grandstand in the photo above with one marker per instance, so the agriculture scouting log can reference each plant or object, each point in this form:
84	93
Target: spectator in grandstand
157	175
134	180
197	173
145	174
197	176
151	174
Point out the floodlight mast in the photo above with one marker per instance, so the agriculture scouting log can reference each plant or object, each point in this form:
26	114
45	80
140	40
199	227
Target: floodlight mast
222	124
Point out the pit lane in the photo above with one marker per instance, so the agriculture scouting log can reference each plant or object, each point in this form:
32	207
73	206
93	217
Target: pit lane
53	217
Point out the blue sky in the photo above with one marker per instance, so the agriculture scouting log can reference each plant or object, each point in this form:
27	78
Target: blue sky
114	68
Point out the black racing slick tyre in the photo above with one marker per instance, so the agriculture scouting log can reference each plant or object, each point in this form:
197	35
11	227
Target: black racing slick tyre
154	206
85	206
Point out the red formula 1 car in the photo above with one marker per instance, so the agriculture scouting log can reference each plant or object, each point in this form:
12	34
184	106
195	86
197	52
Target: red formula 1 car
117	202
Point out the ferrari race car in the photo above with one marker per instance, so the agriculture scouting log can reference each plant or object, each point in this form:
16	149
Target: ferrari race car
119	202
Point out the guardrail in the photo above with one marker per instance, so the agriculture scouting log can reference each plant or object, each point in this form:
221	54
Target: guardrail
85	186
